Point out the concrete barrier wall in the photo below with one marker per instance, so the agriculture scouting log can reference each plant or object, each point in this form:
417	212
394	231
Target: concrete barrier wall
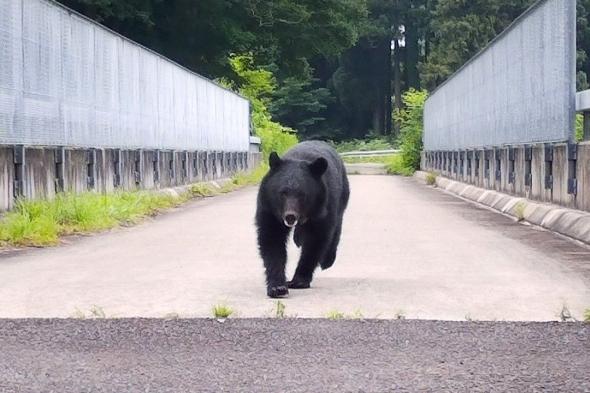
42	172
552	173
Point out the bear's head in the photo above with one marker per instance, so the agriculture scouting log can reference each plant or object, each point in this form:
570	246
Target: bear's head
295	189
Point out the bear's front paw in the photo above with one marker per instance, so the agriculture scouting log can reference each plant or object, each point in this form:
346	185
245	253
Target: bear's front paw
298	283
277	292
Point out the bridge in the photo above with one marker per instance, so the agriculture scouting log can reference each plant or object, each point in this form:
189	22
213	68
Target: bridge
477	279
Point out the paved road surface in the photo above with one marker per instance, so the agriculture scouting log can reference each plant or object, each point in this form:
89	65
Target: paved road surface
407	250
292	355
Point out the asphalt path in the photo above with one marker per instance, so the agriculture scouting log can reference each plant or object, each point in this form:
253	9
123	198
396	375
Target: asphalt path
407	250
292	355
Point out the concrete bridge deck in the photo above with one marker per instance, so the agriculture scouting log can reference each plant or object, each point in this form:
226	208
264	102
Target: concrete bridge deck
407	250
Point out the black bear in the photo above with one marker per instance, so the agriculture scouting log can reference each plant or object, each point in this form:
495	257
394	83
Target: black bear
307	189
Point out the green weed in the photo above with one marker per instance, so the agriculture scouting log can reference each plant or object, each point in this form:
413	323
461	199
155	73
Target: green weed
280	309
222	311
431	178
519	209
335	315
587	316
97	312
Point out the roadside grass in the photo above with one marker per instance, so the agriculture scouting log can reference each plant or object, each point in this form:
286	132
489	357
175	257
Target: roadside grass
587	316
393	163
41	223
431	178
368	144
222	311
396	166
336	315
368	160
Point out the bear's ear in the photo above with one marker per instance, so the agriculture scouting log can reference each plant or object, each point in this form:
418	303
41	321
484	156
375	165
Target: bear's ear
318	167
274	160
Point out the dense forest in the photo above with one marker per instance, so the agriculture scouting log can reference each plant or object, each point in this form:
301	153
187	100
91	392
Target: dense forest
338	67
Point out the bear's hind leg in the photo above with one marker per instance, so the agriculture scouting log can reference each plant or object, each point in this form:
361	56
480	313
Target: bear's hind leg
330	255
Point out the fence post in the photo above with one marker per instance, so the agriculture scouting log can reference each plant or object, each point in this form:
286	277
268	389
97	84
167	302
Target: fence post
19	171
60	159
548	167
572	157
91	169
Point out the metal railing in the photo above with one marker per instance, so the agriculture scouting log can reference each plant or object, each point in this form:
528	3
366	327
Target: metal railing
520	89
68	81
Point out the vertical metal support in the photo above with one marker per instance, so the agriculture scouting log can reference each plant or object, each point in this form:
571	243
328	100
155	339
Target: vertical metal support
195	164
184	165
214	156
172	166
477	155
117	166
59	159
548	167
572	161
486	169
138	167
205	168
528	166
156	166
511	165
498	165
470	156
462	164
456	163
19	160
90	169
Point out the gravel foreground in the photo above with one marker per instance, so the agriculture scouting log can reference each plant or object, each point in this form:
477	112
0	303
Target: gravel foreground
291	355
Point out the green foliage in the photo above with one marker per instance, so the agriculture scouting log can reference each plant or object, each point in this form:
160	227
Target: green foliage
257	85
368	160
587	316
299	105
396	166
410	119
579	127
369	144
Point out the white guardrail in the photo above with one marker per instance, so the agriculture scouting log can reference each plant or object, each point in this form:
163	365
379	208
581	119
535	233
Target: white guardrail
373	153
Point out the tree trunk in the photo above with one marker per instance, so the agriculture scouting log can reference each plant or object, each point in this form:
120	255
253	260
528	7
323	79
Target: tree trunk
397	88
387	85
412	55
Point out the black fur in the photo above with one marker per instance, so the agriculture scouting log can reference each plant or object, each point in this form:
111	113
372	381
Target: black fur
308	185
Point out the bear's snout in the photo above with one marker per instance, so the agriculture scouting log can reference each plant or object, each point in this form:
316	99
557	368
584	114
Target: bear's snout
290	219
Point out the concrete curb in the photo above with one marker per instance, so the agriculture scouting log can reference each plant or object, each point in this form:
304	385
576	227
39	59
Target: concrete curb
179	190
568	222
